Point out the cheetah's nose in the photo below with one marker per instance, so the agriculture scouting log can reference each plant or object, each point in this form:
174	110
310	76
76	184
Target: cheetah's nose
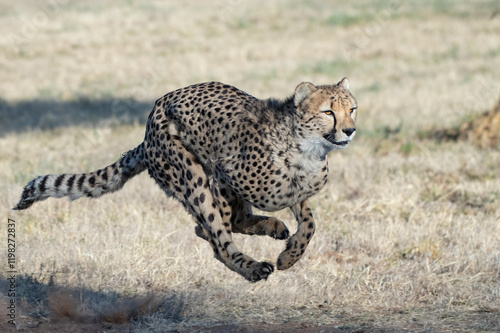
349	131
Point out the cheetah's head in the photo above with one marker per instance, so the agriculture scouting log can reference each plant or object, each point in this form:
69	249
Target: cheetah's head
328	115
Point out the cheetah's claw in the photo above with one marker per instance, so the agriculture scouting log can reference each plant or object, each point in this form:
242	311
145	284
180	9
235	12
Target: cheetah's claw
261	272
283	235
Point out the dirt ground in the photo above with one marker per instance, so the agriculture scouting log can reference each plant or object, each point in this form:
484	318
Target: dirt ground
63	320
68	326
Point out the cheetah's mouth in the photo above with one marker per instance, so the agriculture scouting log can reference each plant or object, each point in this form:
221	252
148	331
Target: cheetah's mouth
331	138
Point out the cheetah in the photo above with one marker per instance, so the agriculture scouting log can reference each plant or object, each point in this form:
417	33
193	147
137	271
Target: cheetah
221	152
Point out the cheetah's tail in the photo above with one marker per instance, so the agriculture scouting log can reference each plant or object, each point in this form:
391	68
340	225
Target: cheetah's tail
93	184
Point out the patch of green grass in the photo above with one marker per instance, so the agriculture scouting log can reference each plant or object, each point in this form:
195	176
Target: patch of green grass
332	68
407	148
373	87
242	23
264	75
49	92
343	19
452	52
383	132
494	53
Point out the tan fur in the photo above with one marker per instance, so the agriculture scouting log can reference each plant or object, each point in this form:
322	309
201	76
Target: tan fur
220	152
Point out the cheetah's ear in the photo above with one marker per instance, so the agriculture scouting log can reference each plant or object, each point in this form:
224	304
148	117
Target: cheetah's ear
344	83
302	91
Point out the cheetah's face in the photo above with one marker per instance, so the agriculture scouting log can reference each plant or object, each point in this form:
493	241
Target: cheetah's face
329	114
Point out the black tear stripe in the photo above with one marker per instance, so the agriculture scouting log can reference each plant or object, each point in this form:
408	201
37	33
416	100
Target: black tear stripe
334	123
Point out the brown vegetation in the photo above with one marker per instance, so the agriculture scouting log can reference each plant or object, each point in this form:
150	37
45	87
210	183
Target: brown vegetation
483	130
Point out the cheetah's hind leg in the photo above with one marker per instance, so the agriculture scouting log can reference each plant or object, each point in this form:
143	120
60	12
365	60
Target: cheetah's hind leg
178	173
244	222
255	225
261	225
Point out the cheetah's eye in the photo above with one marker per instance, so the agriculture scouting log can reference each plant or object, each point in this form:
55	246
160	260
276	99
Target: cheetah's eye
328	113
354	108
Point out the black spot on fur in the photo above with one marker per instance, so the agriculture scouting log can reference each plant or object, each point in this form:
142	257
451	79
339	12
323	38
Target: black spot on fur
105	175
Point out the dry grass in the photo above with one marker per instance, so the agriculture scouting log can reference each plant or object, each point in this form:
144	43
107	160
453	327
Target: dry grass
408	229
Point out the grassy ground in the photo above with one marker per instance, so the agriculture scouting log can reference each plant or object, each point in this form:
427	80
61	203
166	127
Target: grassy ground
408	229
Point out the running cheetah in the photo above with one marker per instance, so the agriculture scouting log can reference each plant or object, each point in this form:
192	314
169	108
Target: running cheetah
220	152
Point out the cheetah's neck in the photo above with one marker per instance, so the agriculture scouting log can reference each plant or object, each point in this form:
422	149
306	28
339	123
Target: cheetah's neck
309	155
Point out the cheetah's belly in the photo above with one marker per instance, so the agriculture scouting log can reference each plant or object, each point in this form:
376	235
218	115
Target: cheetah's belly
275	188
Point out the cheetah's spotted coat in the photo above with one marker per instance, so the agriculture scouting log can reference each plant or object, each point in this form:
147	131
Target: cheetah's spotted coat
220	152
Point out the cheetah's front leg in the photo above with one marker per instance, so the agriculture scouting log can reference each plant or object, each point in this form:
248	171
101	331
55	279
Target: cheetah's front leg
297	244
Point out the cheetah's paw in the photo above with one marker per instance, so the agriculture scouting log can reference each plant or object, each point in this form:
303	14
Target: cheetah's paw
261	271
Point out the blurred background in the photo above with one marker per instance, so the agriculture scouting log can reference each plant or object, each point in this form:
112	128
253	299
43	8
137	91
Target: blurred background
428	61
408	228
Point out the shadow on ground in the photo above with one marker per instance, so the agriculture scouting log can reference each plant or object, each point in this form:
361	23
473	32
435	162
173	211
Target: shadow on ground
52	114
47	307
